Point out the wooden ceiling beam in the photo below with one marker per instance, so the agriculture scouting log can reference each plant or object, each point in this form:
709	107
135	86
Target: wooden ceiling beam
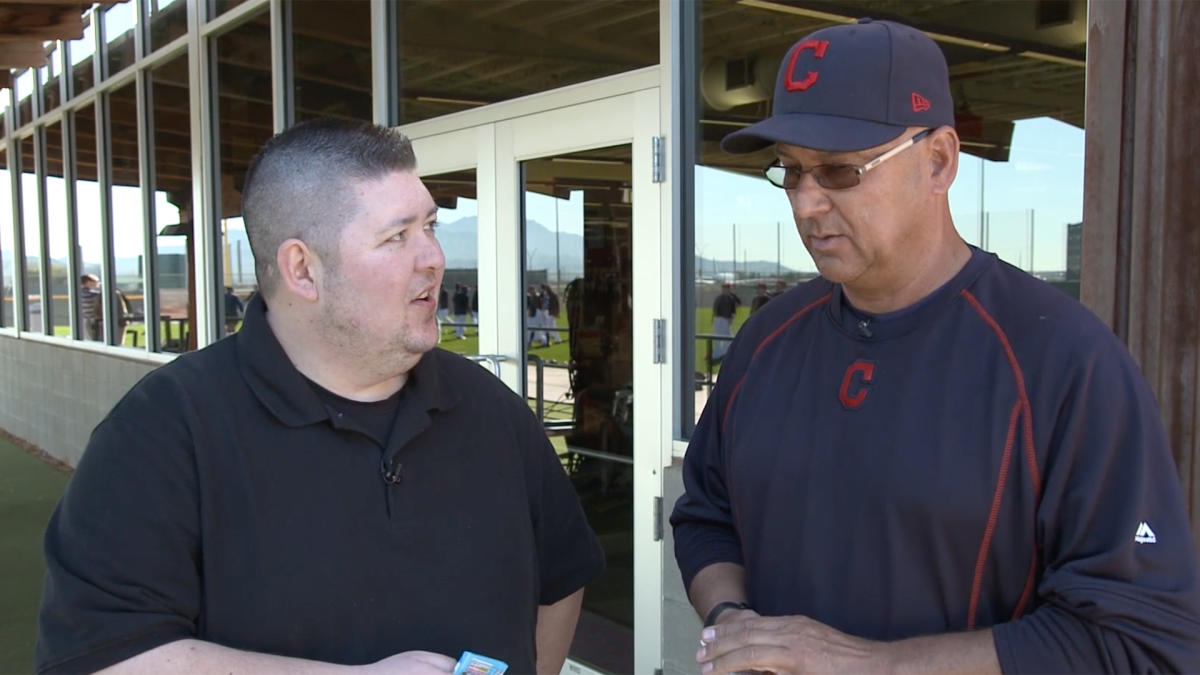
40	23
22	55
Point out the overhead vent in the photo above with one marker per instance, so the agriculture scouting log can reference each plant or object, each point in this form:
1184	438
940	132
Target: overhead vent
729	83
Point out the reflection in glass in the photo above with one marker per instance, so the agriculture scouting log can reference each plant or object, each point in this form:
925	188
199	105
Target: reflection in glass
168	20
118	31
175	244
244	123
23	88
332	50
459	54
50	77
30	204
1031	210
129	247
222	6
81	58
458	234
88	218
56	219
577	270
7	257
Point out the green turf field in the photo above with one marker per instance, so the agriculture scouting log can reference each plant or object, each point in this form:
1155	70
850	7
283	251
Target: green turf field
29	489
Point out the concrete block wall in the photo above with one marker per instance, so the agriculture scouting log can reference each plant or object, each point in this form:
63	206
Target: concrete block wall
681	626
53	392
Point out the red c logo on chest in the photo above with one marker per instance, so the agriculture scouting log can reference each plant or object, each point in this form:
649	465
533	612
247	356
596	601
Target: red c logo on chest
865	370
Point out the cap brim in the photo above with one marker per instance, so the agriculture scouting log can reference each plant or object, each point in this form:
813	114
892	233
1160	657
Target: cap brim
817	132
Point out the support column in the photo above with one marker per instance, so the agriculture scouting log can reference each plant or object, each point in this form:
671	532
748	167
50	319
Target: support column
1141	239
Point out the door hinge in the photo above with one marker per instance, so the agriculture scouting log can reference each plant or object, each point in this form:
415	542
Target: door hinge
658	159
660	340
658	519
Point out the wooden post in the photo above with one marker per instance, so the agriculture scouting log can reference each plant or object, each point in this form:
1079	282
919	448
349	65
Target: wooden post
1141	241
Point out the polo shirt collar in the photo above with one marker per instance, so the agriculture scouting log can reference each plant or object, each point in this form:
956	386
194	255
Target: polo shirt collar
284	391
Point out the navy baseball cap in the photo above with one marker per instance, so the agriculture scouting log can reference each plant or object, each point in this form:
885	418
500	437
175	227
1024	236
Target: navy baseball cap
853	86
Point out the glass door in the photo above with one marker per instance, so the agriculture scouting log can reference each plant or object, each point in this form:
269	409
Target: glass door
587	284
569	274
577	227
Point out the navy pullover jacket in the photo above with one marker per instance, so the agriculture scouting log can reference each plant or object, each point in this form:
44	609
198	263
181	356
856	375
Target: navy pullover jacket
990	456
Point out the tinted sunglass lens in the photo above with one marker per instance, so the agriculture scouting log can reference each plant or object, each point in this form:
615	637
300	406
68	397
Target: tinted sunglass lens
837	176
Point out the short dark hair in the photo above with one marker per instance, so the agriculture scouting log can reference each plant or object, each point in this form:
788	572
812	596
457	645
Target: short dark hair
297	186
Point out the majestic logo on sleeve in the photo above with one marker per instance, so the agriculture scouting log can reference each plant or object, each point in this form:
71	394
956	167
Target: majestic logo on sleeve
1144	534
855	383
790	82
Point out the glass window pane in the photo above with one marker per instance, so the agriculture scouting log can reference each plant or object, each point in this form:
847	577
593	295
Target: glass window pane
332	47
90	224
578	315
50	77
458	233
118	31
175	261
168	20
82	50
222	6
56	218
459	54
30	204
24	91
244	123
8	258
129	247
1031	210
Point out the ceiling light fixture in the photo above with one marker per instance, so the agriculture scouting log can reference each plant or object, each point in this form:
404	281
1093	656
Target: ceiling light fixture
1066	61
455	101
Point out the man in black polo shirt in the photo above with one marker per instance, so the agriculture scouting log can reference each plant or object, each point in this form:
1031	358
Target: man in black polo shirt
319	491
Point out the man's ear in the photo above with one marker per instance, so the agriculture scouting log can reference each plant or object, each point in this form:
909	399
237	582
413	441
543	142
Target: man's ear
943	156
299	269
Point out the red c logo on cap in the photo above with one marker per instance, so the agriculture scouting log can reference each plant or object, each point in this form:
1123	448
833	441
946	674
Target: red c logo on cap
818	47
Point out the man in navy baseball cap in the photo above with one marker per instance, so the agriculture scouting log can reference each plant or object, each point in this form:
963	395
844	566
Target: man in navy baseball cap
925	459
851	87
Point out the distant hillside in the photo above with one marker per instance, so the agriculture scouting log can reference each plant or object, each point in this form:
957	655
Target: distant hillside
459	241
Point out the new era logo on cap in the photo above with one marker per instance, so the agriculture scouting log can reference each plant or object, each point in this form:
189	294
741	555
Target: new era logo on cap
852	87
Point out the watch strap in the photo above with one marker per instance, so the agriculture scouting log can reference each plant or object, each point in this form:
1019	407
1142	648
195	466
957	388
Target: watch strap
720	607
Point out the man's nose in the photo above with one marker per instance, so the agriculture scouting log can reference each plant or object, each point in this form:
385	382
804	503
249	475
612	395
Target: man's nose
431	256
808	199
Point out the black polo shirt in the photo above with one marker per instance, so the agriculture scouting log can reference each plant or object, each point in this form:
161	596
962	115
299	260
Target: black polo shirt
223	500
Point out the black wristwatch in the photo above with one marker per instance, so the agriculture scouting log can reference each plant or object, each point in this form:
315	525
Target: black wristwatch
721	607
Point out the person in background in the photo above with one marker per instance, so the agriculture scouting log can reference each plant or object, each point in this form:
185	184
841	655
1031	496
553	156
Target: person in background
553	310
325	491
91	308
760	297
724	308
234	309
971	474
461	303
443	310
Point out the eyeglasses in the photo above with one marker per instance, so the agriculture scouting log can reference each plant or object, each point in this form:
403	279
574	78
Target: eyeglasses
833	176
